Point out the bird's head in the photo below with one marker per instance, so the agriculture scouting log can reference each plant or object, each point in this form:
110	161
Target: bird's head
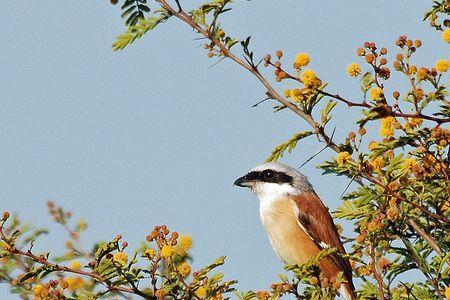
274	179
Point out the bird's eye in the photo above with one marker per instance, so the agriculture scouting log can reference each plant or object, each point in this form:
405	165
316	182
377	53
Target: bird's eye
267	174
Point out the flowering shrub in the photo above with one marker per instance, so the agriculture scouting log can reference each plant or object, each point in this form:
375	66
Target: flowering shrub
400	208
157	269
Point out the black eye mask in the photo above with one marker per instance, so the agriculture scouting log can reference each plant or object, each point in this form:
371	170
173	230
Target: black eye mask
269	176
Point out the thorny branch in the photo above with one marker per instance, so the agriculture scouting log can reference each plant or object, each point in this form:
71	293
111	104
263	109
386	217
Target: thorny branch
388	110
270	90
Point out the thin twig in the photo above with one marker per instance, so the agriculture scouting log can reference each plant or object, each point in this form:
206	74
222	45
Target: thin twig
259	102
426	236
312	157
346	188
178	5
396	195
377	275
273	93
364	104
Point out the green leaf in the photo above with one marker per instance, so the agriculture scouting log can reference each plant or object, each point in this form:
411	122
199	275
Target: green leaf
128	11
137	31
350	210
366	82
326	111
289	145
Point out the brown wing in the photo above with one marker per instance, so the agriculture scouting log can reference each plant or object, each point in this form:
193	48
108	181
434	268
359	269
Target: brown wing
317	221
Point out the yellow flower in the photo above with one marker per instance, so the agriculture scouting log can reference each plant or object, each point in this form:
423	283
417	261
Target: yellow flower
377	163
302	59
201	292
422	74
392	212
310	79
418	93
412	70
387	126
409	163
446	38
121	258
160	294
296	95
374	225
75	265
383	263
82	225
446	208
442	65
447	290
40	292
376	94
415	122
37	289
373	145
263	295
217	296
287	93
185	242
184	269
167	251
74	283
343	157
353	69
150	253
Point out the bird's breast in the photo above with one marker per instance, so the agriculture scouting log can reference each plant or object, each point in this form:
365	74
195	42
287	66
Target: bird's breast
291	243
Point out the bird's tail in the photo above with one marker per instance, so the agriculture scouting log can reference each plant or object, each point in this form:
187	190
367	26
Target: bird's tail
347	292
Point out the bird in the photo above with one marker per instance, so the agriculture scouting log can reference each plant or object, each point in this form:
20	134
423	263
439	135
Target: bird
296	220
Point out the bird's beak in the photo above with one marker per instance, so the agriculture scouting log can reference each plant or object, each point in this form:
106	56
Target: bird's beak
244	182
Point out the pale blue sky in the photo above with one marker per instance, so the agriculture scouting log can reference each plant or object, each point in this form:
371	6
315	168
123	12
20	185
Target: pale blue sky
153	135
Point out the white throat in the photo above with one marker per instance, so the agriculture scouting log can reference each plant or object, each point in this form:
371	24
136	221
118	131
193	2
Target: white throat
268	192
